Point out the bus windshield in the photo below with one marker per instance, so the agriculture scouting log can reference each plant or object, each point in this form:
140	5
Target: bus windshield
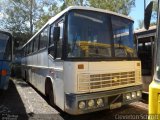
99	35
5	47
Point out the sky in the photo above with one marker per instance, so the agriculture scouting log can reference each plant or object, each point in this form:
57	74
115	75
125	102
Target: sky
137	13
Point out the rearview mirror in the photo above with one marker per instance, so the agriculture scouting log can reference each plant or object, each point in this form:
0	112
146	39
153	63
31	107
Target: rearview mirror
56	33
147	16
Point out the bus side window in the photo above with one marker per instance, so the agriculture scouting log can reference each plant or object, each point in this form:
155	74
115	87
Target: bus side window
36	43
59	43
30	47
8	51
52	47
44	38
33	45
27	49
51	42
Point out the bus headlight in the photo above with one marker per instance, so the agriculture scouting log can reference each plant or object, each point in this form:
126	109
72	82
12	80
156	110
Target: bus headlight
139	94
134	95
100	102
91	103
82	105
128	96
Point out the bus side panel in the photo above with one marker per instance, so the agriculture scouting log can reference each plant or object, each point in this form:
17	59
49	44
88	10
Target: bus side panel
56	72
59	86
42	70
29	59
33	71
4	80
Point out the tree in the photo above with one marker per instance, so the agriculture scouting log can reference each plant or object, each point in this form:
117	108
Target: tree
155	9
53	9
66	3
140	24
120	6
23	15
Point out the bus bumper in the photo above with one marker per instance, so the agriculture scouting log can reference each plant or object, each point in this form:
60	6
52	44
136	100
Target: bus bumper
4	81
90	102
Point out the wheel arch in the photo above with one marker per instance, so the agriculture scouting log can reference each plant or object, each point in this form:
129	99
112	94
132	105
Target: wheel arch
49	81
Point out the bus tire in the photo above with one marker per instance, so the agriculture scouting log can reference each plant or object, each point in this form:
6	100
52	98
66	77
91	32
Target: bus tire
12	72
25	76
49	92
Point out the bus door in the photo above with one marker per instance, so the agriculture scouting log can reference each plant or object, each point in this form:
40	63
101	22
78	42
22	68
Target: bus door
56	64
145	53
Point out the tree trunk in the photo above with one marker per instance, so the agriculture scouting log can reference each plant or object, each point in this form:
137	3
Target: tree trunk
31	17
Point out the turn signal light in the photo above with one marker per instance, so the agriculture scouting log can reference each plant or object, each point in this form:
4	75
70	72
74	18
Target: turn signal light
3	72
138	64
80	66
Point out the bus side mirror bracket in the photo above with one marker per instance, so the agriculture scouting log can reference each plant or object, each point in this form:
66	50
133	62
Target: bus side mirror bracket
147	15
56	33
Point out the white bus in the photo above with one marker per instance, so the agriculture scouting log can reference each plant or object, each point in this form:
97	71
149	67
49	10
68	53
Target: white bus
84	60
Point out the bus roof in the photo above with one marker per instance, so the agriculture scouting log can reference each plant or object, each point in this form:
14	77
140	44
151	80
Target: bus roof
6	32
78	8
143	33
144	30
89	9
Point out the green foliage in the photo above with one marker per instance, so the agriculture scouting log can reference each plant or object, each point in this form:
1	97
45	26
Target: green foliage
140	24
155	9
119	6
153	24
25	16
53	9
66	3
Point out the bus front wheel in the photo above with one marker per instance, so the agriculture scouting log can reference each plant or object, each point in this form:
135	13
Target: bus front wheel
49	93
51	97
25	76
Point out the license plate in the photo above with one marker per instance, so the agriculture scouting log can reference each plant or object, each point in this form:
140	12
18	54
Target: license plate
115	105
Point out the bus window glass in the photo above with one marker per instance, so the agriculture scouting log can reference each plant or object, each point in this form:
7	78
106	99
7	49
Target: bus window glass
93	35
27	49
33	45
25	53
59	43
51	35
44	38
123	37
36	43
30	47
5	47
89	35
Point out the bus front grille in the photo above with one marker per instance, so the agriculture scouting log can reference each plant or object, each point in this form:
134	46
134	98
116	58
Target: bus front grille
97	82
